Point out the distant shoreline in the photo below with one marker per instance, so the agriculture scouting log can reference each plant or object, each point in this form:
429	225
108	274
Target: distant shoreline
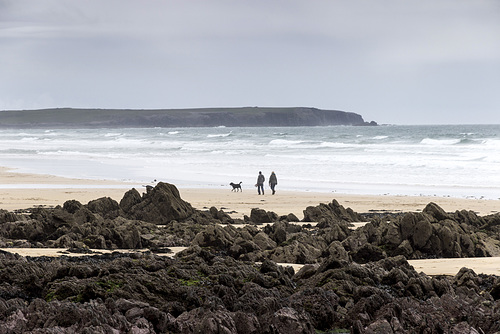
200	117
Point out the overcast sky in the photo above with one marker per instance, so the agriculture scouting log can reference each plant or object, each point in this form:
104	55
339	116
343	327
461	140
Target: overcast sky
392	61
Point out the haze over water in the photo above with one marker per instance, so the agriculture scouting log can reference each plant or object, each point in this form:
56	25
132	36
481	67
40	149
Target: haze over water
441	160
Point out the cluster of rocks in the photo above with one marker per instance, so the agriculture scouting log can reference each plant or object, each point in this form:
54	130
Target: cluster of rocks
432	233
229	279
201	291
156	219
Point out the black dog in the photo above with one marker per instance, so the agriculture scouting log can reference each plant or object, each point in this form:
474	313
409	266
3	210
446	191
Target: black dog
236	186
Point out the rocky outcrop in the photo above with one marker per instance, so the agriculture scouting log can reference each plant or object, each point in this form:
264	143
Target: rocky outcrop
160	219
259	217
432	233
161	205
204	291
328	214
103	223
228	279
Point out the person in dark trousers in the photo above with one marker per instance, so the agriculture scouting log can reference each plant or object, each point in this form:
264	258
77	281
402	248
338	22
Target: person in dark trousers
260	183
273	181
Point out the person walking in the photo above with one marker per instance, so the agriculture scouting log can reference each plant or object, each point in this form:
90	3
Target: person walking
273	181
260	183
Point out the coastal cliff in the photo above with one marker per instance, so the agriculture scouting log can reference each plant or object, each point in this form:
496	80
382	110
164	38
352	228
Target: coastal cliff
203	117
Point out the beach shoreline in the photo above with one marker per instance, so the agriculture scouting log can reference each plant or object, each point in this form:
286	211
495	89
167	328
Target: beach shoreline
23	191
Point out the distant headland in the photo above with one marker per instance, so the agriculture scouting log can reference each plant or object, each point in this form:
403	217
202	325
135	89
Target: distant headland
201	117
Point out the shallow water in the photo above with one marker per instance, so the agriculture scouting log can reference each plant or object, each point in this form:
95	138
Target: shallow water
444	160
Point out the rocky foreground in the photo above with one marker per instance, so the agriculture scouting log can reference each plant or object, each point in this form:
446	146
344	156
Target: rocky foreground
228	280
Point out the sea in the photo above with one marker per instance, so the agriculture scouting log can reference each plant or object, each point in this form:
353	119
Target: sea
418	160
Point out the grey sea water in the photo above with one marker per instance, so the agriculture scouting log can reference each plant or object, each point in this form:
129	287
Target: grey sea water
441	160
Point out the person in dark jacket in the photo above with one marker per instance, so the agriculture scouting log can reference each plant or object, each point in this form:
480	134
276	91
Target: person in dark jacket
260	183
273	181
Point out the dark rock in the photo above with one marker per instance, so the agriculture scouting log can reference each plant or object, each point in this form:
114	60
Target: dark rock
269	266
307	271
72	206
105	206
299	250
404	249
470	218
95	241
368	253
205	291
162	205
220	215
337	251
422	231
381	326
6	216
292	218
279	235
130	199
246	323
332	212
27	230
319	304
408	222
206	321
435	211
214	236
242	246
288	320
259	216
264	241
330	263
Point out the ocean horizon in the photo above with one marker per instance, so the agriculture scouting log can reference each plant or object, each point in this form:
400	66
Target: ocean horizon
414	160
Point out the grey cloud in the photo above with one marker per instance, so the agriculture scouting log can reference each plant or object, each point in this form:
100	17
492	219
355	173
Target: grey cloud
386	59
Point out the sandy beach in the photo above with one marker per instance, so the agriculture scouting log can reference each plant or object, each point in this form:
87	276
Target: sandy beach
21	191
285	202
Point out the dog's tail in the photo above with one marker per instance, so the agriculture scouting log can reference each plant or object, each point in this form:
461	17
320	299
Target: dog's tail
240	182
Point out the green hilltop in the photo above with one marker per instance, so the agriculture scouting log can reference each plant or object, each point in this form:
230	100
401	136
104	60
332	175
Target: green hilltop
201	117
